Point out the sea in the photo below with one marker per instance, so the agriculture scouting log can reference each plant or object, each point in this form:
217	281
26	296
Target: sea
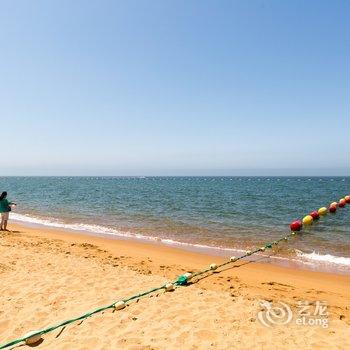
217	215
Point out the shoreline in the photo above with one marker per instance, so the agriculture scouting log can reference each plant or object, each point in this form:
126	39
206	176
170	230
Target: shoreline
156	249
49	275
283	261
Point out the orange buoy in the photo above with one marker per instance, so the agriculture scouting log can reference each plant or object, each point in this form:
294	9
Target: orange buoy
307	220
296	225
322	211
342	203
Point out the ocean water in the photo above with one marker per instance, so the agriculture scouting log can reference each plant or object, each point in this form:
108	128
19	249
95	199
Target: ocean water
223	215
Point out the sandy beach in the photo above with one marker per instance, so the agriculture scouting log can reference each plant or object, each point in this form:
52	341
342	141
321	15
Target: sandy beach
48	276
175	175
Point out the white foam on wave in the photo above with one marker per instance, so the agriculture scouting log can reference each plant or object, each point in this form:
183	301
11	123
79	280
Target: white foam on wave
325	258
301	257
78	226
201	246
98	229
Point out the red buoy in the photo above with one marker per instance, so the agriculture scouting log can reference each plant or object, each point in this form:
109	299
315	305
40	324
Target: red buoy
342	203
296	225
347	199
332	209
315	215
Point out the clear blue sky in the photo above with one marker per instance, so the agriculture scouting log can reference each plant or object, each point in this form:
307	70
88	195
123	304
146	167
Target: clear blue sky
174	87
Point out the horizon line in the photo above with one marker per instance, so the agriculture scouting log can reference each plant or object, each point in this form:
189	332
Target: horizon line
123	176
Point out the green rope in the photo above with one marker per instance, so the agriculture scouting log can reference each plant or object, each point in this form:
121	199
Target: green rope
84	316
180	281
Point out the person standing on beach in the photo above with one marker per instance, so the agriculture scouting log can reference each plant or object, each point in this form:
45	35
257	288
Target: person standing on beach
5	208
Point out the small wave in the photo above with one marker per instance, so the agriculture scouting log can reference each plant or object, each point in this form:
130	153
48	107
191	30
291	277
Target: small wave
326	258
201	246
309	259
78	227
113	232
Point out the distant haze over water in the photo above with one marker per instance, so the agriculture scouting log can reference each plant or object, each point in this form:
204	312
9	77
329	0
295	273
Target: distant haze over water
113	172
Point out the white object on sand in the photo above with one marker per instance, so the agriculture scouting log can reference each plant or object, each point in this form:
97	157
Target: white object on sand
213	266
188	275
33	339
119	305
169	287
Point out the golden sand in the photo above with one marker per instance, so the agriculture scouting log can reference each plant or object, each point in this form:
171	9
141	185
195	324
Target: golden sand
49	275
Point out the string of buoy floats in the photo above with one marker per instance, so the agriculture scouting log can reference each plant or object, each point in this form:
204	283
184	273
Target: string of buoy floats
296	227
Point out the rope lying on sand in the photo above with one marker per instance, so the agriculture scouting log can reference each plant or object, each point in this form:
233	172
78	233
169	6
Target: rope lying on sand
296	226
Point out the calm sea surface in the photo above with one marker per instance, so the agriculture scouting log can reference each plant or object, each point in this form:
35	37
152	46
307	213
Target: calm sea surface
217	213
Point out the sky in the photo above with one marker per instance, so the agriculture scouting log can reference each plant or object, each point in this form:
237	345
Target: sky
175	87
